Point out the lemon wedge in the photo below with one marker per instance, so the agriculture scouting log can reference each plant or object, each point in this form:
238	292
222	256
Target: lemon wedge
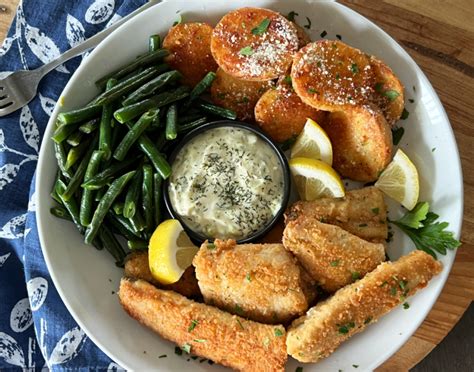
400	180
315	179
170	252
313	143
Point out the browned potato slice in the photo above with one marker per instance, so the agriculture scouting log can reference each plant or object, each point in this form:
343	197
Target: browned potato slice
332	76
254	44
281	113
361	141
237	94
303	37
389	91
190	51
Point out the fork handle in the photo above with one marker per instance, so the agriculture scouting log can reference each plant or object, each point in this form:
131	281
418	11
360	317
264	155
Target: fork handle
93	41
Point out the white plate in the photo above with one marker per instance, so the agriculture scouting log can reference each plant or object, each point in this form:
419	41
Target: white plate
85	277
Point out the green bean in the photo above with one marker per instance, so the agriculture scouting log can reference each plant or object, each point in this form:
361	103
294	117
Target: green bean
112	245
171	122
112	193
154	43
137	244
126	225
60	212
61	157
158	160
184	119
100	194
76	153
137	222
82	114
151	87
70	205
125	87
105	127
157	197
202	86
217	110
118	207
134	134
133	194
194	124
101	179
117	228
85	214
89	126
142	61
53	193
128	113
62	132
78	177
147	195
116	134
75	138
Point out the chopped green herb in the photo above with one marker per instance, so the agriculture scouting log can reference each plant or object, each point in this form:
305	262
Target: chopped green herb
391	94
194	357
397	134
221	95
334	263
379	87
323	34
308	25
406	305
411	100
433	149
193	325
319	64
262	27
240	324
339	36
343	330
178	350
338	76
368	320
244	100
162	356
291	16
355	276
393	291
414	88
179	20
238	310
249	279
299	369
199	340
375	210
355	365
354	68
246	51
363	225
186	348
404	115
402	284
278	332
211	246
312	91
384	283
287	79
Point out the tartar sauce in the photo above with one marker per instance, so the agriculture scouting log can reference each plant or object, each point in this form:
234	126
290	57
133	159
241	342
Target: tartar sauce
226	183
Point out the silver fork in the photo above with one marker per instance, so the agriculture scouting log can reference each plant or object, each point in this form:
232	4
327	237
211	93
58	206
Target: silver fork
20	87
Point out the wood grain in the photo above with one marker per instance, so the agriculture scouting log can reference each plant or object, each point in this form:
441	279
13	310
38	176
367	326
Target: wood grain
439	35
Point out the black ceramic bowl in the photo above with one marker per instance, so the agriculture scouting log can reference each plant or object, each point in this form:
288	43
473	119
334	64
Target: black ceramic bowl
235	124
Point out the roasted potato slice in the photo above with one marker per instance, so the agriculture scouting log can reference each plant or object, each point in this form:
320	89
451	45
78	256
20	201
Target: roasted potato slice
330	75
254	44
361	141
389	92
237	94
190	51
281	113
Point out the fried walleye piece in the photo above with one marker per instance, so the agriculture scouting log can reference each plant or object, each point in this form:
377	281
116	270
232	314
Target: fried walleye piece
136	267
260	281
237	94
209	332
331	255
361	212
189	45
254	44
325	326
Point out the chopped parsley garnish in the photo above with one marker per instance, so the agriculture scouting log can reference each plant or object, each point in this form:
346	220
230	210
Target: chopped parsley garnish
354	68
334	263
355	275
324	33
403	284
299	369
261	28
211	246
428	235
308	25
411	100
178	350
343	329
379	87
406	305
355	365
291	16
244	99
393	291
246	51
368	320
414	88
312	91
287	79
193	325
404	115
391	94
433	149
278	332
248	277
221	95
162	356
240	324
397	134
339	36
375	210
238	310
186	348
338	76
199	340
363	225
179	20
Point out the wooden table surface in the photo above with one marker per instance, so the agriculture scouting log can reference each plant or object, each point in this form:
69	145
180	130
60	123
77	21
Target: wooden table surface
439	35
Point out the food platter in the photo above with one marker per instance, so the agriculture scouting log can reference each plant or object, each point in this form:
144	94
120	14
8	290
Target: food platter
86	279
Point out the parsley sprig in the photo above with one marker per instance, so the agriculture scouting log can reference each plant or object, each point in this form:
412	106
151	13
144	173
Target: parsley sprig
428	235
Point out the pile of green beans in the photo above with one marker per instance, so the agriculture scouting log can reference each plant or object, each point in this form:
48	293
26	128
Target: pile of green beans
112	154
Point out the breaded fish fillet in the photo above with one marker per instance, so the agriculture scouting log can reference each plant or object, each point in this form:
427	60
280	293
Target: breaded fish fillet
260	281
136	266
331	255
361	212
208	332
325	326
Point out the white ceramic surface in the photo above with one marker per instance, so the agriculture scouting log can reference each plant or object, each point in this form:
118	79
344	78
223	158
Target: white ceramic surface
85	278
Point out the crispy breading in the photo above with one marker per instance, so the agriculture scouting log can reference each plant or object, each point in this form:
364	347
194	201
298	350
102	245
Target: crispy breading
361	212
332	76
209	332
136	266
281	114
237	94
328	324
189	45
361	142
389	92
254	44
262	282
331	255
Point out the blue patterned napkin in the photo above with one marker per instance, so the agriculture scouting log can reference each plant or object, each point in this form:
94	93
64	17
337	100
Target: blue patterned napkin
36	330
